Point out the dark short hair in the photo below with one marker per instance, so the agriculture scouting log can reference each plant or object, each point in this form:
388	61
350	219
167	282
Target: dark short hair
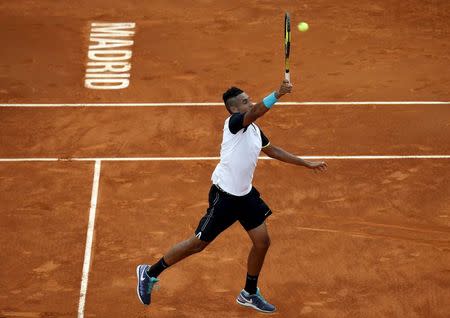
230	93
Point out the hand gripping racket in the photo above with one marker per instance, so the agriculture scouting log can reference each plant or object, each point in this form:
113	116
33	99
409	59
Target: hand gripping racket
287	45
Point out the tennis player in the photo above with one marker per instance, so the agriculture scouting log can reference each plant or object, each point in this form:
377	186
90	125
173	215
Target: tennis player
232	197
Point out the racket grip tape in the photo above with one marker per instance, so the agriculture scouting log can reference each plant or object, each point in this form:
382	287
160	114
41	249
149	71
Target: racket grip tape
287	76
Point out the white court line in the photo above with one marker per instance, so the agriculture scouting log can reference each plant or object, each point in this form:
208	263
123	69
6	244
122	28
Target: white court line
381	157
27	159
398	103
89	239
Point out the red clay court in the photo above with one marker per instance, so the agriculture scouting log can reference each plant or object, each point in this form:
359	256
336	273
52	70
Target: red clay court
94	181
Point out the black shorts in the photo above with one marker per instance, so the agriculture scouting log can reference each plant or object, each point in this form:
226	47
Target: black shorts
225	209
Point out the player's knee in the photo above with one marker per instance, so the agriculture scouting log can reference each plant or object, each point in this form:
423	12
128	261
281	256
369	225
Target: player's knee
262	243
197	245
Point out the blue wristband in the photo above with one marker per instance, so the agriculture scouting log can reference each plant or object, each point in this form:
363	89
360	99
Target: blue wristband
270	100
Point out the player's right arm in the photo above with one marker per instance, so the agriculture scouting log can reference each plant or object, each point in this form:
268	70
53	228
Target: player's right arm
262	107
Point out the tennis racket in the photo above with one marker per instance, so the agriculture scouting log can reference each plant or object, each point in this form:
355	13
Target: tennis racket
287	45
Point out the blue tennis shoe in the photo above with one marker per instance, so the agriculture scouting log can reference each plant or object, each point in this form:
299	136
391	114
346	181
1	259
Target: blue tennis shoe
255	301
145	284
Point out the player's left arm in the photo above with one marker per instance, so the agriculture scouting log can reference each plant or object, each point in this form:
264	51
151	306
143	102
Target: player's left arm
282	155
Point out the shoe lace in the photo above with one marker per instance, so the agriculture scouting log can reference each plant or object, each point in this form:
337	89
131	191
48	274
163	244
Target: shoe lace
152	284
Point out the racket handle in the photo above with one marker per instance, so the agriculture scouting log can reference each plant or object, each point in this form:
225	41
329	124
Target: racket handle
287	76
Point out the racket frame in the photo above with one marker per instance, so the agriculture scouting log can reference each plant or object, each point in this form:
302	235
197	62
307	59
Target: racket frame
287	45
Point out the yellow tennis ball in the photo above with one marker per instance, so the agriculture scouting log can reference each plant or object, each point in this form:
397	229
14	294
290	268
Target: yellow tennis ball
303	26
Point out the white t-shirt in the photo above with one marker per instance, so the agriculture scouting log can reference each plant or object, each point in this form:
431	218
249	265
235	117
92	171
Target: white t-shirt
238	155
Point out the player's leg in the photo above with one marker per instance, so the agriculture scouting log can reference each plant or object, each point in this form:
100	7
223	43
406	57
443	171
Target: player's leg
250	296
261	242
180	251
216	220
147	274
253	221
